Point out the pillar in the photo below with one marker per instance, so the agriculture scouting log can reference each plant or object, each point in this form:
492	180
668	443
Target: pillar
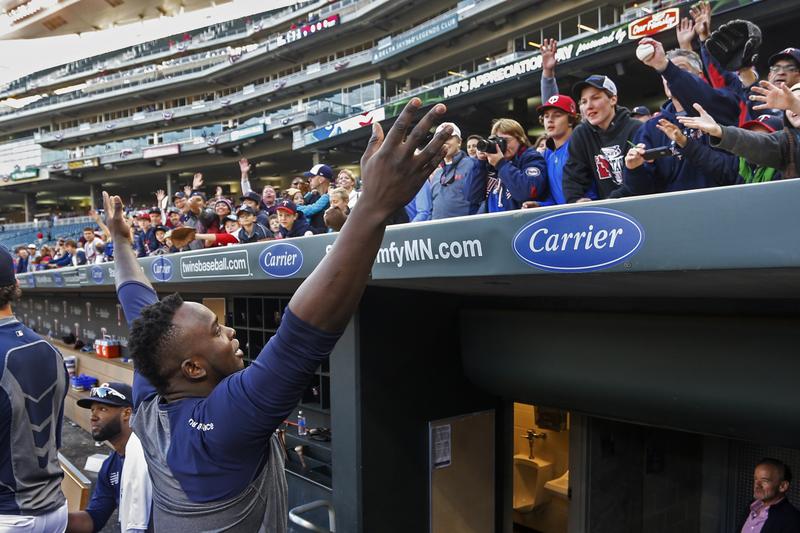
30	206
92	196
169	187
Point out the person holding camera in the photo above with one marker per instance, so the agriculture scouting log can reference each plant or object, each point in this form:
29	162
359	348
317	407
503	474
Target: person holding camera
521	172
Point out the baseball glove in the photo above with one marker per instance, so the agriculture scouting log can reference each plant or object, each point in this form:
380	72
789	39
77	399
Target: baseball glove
735	44
182	236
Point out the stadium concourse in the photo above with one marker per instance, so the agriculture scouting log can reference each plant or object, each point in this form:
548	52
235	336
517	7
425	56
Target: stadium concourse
579	317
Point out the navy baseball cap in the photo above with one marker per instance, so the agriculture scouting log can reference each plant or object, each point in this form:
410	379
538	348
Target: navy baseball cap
245	209
771	123
155	211
597	81
787	53
251	195
230	218
320	170
114	393
640	110
179	194
7	276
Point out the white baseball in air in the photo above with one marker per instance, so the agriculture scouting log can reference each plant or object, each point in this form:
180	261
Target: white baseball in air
645	51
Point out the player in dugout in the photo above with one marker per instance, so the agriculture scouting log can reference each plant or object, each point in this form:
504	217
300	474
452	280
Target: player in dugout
207	425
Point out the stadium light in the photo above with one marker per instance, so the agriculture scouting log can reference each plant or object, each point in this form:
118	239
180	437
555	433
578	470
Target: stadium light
454	73
534	44
586	28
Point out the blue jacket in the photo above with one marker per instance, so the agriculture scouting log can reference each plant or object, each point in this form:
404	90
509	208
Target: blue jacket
447	188
556	159
66	259
315	212
419	208
688	89
721	78
522	178
667	174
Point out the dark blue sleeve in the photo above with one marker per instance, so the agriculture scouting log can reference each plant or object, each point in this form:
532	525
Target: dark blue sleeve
104	497
527	179
722	165
578	180
62	261
689	89
641	180
248	406
134	297
475	183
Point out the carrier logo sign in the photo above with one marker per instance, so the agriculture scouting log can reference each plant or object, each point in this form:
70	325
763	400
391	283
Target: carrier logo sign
281	260
97	274
653	24
578	240
161	269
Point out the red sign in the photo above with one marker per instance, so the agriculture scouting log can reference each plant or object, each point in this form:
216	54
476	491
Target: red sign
653	24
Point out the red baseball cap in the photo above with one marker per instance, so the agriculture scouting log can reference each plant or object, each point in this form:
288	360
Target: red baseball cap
559	101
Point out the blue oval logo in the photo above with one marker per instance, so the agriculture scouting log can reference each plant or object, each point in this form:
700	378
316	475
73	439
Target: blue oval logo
161	269
97	274
281	260
578	240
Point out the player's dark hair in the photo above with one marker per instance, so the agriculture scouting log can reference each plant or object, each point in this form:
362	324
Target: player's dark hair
9	294
151	341
784	471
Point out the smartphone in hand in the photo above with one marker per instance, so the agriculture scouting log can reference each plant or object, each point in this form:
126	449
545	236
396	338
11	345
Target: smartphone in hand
657	153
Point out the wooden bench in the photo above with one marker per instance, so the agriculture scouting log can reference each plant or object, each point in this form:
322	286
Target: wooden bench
76	486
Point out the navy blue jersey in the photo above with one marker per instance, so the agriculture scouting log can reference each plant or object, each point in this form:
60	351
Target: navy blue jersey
105	497
33	383
214	460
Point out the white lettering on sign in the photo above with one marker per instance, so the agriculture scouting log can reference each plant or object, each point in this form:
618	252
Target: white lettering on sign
284	259
544	241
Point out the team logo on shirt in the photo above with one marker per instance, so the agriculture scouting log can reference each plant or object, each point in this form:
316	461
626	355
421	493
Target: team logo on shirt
609	165
532	172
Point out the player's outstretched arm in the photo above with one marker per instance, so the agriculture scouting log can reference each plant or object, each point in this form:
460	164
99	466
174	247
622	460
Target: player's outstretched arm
392	176
126	266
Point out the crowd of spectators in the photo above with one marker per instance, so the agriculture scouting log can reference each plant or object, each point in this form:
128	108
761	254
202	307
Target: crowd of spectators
720	125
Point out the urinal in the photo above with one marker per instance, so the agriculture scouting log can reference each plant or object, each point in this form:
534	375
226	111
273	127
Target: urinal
530	475
559	486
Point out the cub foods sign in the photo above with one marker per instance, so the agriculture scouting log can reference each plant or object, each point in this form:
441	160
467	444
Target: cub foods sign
578	240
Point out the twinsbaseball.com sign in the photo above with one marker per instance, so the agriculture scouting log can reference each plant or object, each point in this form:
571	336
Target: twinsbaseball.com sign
218	265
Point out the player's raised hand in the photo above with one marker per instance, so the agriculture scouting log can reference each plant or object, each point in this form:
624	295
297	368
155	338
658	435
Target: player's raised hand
392	172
